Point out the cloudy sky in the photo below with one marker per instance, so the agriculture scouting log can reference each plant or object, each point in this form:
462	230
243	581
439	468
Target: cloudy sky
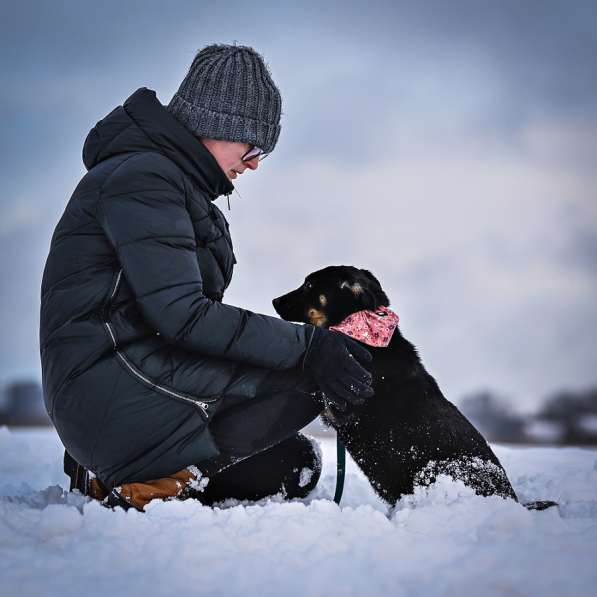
451	148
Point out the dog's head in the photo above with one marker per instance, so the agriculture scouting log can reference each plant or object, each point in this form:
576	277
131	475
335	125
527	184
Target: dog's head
330	295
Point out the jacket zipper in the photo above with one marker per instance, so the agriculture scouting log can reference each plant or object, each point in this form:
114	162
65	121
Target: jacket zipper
202	406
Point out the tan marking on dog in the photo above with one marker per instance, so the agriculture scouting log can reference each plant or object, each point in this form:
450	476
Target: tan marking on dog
355	288
323	300
316	317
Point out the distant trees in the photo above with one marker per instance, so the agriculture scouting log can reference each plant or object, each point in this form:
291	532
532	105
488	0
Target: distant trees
493	417
22	404
565	418
575	413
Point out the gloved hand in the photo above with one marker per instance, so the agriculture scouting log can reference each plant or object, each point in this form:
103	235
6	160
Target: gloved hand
334	360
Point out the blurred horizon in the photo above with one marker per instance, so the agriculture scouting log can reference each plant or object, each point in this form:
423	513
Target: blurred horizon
450	149
563	419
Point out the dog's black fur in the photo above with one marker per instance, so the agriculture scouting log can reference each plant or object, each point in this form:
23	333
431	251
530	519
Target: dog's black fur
408	433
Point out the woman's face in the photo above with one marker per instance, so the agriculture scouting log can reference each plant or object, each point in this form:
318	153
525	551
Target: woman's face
228	154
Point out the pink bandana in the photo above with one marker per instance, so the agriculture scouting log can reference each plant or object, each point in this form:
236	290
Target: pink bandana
371	327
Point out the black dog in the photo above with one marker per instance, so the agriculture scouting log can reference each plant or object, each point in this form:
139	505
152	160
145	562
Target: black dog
408	433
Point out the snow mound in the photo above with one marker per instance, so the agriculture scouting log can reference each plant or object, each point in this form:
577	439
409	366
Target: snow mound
442	540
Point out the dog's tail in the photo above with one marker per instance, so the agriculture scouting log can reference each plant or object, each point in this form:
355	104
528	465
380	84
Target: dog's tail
540	505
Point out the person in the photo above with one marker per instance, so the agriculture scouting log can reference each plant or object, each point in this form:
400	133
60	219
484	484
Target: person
147	374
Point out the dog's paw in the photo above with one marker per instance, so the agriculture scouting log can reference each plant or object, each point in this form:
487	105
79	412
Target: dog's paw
334	417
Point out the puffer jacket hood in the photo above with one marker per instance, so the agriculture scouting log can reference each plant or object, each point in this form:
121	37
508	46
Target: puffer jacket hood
142	124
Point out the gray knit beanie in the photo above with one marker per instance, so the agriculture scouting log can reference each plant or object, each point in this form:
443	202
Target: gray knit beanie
229	94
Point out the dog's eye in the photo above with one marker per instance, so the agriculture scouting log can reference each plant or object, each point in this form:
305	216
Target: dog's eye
307	285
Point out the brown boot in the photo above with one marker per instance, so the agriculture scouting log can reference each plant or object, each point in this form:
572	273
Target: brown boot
127	495
138	495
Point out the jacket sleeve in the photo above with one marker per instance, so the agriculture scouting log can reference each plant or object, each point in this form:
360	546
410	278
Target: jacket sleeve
142	210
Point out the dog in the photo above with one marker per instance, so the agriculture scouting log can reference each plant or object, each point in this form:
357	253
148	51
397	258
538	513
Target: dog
408	433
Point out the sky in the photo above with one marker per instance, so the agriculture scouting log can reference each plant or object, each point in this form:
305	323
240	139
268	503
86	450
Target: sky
450	148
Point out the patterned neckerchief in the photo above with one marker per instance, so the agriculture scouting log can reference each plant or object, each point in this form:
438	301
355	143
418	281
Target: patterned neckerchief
374	328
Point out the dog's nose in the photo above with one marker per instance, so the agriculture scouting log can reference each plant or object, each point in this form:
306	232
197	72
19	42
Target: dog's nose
276	302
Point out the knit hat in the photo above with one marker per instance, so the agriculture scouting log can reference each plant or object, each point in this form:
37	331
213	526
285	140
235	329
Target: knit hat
229	94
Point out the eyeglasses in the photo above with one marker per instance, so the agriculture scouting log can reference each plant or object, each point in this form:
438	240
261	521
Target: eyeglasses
254	152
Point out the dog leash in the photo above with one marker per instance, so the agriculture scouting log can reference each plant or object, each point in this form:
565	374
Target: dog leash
340	469
374	328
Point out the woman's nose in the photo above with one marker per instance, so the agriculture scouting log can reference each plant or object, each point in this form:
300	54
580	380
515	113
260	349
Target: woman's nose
253	164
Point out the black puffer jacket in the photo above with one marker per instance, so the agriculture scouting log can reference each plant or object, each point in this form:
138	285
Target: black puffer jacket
136	346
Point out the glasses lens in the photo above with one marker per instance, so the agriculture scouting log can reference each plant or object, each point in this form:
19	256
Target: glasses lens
254	152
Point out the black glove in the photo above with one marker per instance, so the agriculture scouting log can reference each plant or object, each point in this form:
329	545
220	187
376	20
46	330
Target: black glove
333	361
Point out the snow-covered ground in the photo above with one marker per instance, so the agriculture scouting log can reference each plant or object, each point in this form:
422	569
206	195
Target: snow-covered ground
441	541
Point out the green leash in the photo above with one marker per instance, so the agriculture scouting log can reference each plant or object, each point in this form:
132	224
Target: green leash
340	469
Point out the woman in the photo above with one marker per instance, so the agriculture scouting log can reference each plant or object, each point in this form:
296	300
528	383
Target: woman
145	371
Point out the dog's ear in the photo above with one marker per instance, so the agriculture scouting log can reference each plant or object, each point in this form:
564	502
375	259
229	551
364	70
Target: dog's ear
367	290
374	289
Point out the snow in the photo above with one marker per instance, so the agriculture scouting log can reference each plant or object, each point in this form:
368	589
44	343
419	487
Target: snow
305	477
441	541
